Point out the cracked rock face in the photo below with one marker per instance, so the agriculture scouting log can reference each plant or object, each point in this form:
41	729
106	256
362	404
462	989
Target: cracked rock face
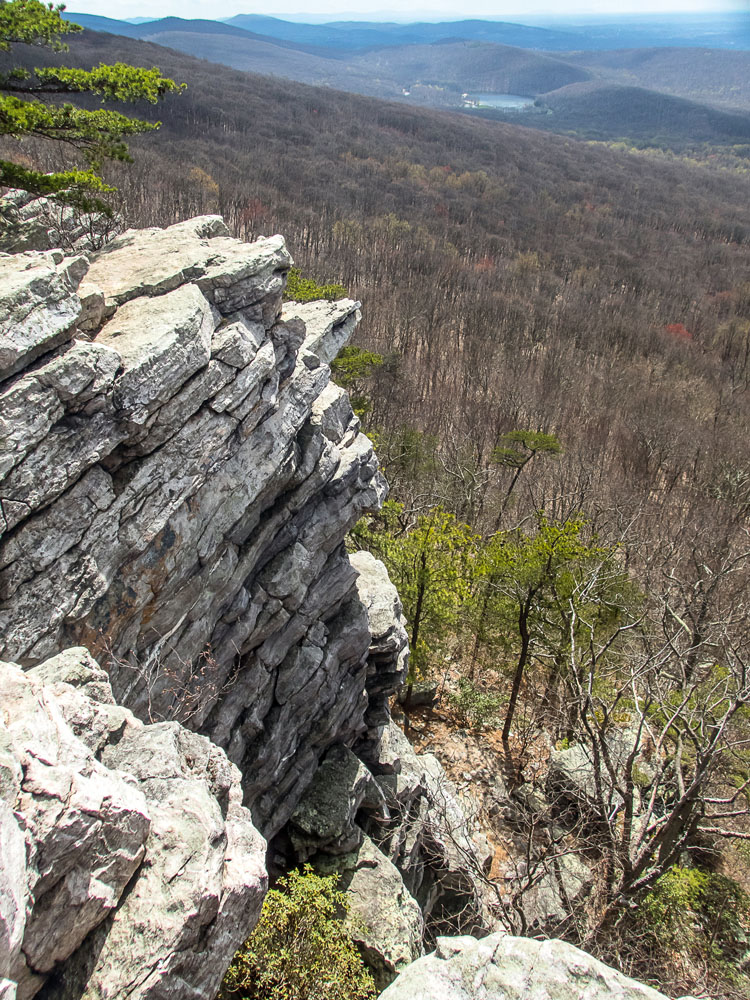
500	967
129	865
177	476
384	919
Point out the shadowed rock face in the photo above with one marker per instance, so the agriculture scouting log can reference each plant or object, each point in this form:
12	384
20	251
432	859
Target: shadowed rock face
177	475
31	223
129	865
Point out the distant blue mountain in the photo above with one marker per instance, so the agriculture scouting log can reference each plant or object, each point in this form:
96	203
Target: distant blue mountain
97	23
721	30
371	34
717	30
151	30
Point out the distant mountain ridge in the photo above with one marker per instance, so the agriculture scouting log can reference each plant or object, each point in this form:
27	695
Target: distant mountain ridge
556	35
717	30
152	30
361	35
674	98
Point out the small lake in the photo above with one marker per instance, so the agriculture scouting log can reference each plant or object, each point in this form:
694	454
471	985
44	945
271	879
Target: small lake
508	102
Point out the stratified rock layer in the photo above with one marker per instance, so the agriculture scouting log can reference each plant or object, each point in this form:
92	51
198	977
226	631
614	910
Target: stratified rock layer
130	866
500	967
177	476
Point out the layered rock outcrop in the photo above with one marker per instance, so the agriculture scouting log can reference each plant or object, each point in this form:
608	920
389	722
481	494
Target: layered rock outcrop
177	478
129	865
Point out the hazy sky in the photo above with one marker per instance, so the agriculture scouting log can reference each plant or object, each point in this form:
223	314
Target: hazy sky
449	9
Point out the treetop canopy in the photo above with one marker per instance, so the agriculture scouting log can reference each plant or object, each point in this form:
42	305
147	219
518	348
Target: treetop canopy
29	106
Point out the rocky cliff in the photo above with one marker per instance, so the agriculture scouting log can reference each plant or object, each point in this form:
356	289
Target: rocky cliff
177	476
194	662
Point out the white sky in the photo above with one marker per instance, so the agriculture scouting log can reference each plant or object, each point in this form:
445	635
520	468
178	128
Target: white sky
396	9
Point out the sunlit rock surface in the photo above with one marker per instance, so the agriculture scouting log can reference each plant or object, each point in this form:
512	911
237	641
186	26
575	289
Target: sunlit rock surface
500	967
130	866
177	475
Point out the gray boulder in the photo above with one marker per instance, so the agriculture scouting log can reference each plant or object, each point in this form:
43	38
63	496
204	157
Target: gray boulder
500	967
384	919
329	325
571	778
129	863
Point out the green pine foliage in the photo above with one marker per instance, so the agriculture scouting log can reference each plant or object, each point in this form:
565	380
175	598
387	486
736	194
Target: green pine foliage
301	289
300	949
353	369
518	447
30	106
432	568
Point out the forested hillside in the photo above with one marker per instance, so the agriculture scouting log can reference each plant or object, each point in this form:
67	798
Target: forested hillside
557	377
605	110
513	278
710	75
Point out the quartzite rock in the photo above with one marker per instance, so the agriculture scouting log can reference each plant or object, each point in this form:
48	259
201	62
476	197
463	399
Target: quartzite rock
384	919
387	659
38	305
500	967
175	494
107	804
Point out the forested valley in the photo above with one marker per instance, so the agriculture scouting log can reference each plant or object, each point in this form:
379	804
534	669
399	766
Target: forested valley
554	362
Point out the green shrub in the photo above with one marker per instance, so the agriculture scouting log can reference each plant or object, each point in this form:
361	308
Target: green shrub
300	949
668	911
700	916
300	289
475	707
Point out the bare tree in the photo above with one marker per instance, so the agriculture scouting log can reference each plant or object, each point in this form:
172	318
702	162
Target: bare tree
662	761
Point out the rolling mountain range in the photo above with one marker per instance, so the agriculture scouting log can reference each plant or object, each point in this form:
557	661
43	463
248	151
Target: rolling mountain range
673	97
720	30
717	76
